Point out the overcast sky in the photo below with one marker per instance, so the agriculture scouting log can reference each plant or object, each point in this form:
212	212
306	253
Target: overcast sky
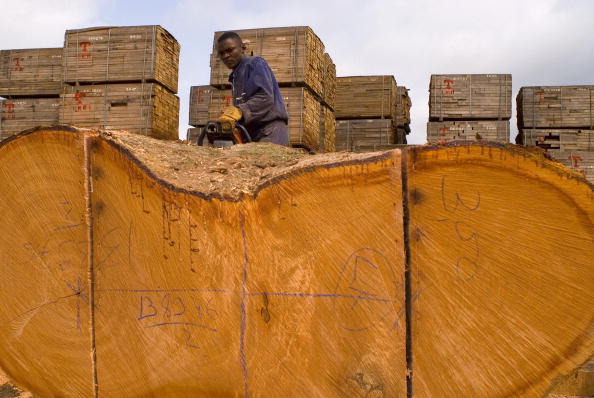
540	42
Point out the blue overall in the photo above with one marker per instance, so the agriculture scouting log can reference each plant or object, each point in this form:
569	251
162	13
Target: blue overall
256	94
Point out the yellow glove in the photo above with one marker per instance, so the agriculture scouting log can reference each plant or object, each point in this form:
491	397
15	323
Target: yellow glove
231	113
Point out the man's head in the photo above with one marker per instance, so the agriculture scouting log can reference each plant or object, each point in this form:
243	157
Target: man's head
230	49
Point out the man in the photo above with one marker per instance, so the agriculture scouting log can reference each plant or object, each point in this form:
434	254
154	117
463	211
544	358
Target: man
257	102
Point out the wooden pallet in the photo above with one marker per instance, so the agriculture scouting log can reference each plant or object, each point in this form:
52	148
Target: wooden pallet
32	72
121	54
556	107
472	130
403	104
295	54
580	161
25	113
147	109
354	135
364	97
560	139
464	97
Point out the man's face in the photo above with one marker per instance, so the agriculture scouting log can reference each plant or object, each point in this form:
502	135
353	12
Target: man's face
230	52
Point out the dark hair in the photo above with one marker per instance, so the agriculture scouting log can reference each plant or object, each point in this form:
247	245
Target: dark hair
229	35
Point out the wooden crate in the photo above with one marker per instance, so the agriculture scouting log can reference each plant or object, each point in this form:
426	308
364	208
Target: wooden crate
25	113
464	97
556	107
365	97
328	95
560	139
147	109
403	104
32	72
327	129
580	161
121	54
193	133
365	134
471	130
200	97
295	55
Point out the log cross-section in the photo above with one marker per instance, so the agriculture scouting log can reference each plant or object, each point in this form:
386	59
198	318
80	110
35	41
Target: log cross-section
136	267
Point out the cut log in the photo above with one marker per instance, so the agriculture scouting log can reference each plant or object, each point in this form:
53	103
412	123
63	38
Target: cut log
137	267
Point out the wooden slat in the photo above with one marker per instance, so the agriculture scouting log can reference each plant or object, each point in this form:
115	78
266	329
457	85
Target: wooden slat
328	94
403	104
295	55
327	129
363	97
121	54
366	134
200	97
579	161
556	107
560	139
146	109
25	113
491	130
31	72
464	97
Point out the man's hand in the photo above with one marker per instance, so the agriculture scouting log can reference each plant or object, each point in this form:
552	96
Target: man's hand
232	114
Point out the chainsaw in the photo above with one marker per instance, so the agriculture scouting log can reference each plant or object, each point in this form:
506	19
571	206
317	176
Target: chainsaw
220	133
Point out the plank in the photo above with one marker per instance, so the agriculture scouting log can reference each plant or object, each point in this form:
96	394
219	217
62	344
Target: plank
365	97
121	54
473	130
559	139
362	135
25	113
32	72
146	109
556	107
403	105
471	96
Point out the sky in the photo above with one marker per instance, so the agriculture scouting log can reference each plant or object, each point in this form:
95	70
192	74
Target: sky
539	42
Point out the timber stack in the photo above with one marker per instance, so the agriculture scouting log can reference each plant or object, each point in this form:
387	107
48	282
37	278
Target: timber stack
305	74
30	83
403	105
560	120
469	107
122	78
367	113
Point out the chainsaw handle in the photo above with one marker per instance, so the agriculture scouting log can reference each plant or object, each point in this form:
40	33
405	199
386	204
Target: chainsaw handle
243	131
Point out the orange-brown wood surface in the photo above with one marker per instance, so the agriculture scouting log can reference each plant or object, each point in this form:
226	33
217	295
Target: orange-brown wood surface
133	267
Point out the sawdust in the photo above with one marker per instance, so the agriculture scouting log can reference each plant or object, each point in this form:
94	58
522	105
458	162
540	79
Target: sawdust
229	172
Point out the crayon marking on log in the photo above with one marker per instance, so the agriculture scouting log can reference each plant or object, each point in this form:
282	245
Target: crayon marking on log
465	267
362	279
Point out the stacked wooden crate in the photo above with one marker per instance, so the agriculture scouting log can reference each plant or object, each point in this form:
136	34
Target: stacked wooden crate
402	121
308	121
559	119
366	111
122	78
30	82
305	73
470	107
